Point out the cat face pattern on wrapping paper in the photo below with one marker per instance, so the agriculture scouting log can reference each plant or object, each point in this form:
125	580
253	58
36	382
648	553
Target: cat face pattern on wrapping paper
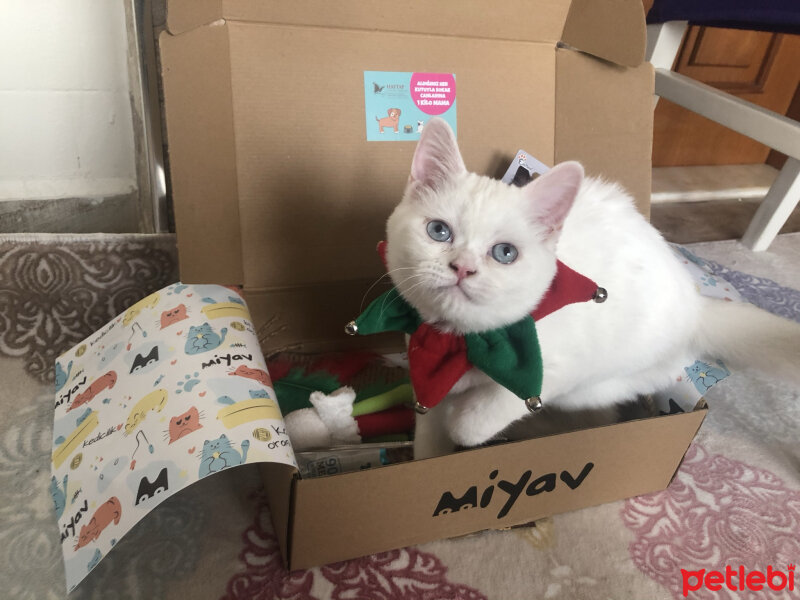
203	338
151	480
704	375
148	357
183	424
173	315
220	454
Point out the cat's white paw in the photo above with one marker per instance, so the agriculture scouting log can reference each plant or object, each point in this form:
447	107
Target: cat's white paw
471	434
479	414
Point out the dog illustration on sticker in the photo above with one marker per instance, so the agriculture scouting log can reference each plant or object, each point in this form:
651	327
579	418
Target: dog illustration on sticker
391	120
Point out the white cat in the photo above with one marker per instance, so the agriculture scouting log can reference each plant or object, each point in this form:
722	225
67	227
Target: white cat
472	254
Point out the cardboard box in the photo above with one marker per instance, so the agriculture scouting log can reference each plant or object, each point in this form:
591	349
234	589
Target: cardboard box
277	189
327	519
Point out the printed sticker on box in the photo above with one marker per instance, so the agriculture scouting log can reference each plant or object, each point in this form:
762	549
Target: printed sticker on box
397	105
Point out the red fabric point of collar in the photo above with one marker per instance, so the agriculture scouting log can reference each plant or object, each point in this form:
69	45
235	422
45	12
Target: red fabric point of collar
568	286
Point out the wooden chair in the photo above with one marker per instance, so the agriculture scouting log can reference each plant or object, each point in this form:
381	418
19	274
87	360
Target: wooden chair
667	23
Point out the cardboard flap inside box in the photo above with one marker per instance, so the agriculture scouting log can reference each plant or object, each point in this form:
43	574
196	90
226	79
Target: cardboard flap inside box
609	29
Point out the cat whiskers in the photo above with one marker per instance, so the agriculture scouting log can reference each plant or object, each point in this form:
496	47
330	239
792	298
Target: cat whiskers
406	293
377	281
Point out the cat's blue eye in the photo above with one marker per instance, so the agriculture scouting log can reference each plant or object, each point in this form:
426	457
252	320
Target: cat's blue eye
504	253
439	231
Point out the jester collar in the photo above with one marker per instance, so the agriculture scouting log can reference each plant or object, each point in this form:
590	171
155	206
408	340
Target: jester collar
509	355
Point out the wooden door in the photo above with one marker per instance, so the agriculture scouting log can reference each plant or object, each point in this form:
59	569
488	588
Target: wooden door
760	67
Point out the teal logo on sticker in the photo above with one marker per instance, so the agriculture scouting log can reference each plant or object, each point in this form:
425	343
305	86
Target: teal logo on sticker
397	105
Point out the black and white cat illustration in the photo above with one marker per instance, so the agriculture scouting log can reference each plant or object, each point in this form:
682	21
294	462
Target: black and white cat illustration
148	490
141	361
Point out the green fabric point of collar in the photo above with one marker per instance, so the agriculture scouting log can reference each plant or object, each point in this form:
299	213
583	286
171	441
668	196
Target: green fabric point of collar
388	312
509	355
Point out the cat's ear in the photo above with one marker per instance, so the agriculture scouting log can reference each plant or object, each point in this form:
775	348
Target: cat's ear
437	157
550	196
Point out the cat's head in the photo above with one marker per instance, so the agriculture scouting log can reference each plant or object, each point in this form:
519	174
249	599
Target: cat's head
468	252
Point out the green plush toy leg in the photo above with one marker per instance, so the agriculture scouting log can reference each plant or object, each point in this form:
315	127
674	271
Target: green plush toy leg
402	394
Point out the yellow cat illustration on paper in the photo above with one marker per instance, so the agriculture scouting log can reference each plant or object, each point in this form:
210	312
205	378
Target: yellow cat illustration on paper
72	442
155	400
149	302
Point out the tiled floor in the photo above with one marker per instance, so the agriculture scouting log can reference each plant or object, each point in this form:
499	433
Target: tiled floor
704	204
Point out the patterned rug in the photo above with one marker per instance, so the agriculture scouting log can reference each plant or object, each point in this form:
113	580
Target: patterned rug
57	289
735	500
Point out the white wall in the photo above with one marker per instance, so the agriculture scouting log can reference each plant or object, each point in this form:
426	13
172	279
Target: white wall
65	115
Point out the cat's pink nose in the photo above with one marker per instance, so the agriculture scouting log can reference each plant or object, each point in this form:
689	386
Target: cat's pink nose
462	271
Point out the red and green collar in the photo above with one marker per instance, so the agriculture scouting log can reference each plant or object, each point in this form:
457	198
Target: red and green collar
510	355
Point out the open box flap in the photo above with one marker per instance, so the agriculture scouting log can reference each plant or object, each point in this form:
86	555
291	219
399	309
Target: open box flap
278	488
611	29
184	16
604	119
202	155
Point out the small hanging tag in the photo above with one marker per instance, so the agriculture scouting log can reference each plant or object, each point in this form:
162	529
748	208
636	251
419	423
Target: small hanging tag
524	169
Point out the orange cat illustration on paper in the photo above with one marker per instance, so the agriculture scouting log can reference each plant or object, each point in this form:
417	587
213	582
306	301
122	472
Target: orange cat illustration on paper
155	400
184	424
108	512
173	315
104	382
252	373
149	302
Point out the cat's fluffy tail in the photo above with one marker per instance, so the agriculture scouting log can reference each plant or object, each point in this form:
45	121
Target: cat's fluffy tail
746	337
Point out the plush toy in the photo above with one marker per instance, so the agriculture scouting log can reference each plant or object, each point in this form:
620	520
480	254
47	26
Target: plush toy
321	409
333	419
